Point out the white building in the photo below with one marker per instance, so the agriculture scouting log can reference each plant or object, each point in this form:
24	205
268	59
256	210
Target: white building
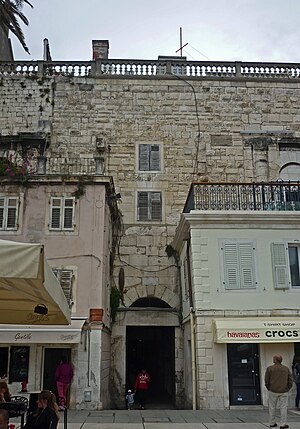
240	289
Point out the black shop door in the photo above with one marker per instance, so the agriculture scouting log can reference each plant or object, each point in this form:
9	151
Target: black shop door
51	360
243	374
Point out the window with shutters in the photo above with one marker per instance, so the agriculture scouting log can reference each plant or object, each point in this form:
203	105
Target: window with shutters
149	206
62	210
65	277
286	265
149	157
238	260
9	210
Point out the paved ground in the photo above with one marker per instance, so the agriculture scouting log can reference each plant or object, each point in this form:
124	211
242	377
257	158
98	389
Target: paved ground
172	419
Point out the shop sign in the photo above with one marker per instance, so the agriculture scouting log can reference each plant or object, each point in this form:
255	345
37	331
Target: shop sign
256	330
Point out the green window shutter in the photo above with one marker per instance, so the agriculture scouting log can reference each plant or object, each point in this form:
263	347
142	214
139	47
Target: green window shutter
143	206
156	205
154	157
247	267
144	154
2	207
280	269
231	266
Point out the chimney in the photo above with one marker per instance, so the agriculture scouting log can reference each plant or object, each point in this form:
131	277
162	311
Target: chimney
100	49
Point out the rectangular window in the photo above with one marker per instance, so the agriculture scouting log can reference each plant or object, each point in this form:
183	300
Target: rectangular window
3	362
149	206
238	265
286	265
65	277
62	211
18	363
9	208
149	157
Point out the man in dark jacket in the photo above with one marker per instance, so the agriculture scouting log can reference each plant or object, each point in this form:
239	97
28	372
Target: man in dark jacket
278	381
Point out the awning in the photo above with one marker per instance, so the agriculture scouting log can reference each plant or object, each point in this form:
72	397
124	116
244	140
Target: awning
41	334
26	280
257	330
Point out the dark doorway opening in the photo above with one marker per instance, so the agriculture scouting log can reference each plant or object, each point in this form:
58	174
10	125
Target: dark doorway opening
243	372
51	360
152	348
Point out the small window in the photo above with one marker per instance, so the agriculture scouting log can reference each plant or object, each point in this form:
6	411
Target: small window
149	206
9	208
238	265
65	277
149	157
62	211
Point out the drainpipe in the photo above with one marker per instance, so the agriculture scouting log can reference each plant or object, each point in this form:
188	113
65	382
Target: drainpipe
193	350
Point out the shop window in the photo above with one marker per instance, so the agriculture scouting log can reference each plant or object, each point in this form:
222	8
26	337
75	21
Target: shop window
149	206
238	260
65	277
9	207
286	265
149	157
62	211
18	364
3	362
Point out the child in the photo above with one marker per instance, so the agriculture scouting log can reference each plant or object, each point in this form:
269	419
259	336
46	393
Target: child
129	399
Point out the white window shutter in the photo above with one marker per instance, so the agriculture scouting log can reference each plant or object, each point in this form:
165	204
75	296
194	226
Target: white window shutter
231	265
144	153
280	268
65	278
55	212
154	157
68	221
247	268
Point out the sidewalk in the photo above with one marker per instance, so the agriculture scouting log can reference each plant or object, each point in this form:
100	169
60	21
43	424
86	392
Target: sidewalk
173	419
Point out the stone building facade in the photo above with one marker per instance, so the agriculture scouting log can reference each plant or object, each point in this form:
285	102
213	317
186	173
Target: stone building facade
155	126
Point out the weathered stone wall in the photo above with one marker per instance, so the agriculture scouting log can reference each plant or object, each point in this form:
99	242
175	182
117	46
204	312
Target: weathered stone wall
124	112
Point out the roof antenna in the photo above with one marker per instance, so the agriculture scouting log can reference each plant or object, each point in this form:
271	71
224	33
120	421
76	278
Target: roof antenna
180	42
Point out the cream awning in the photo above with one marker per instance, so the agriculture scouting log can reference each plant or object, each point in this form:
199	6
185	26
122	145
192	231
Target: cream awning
257	330
27	280
41	334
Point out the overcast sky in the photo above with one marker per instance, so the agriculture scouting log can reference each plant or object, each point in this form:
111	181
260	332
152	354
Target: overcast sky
245	30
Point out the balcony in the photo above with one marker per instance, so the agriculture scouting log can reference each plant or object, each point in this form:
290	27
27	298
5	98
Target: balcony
272	196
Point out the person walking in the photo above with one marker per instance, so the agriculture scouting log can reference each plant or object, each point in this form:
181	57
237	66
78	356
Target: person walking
296	376
63	377
141	387
278	381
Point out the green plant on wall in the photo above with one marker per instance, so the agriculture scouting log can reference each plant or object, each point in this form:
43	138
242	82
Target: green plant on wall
115	299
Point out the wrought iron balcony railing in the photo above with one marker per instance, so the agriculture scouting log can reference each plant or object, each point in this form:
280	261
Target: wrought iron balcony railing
244	196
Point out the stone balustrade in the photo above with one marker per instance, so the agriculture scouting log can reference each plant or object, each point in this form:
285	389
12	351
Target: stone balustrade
151	68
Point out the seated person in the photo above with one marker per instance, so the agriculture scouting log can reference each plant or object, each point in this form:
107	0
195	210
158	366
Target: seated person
4	419
4	392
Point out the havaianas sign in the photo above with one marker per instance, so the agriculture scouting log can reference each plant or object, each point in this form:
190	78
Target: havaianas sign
256	330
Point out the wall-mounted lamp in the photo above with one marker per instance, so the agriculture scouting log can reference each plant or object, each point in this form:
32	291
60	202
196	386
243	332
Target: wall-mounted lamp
41	309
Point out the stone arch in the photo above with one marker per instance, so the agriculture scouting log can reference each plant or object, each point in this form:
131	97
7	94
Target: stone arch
161	292
150	301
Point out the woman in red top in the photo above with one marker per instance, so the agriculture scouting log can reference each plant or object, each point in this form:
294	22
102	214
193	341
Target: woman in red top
141	387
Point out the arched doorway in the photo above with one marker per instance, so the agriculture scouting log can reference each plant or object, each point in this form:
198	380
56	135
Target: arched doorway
152	348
